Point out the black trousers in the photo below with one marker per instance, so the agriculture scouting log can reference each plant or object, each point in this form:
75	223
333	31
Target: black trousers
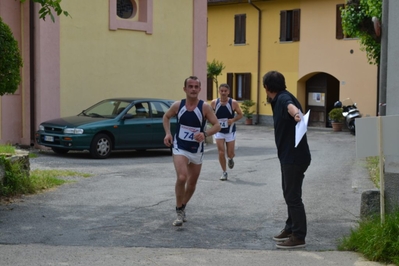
292	179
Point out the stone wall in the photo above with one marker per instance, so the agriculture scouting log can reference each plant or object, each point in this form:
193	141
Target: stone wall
21	157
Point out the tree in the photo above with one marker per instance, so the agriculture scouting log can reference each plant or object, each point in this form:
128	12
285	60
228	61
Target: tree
10	57
47	7
357	16
215	69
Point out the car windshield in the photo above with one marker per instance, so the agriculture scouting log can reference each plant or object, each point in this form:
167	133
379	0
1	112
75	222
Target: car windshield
105	109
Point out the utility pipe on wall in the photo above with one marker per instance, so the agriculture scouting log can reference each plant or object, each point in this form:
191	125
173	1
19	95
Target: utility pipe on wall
32	72
258	66
383	60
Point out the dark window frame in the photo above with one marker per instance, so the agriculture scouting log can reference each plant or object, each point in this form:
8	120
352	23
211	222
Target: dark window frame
290	25
240	28
209	89
233	80
339	32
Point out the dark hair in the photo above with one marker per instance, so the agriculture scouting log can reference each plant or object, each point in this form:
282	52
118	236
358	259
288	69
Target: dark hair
274	81
224	85
193	78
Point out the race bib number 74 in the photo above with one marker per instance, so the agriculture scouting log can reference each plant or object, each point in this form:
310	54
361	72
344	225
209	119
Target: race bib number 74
223	122
187	133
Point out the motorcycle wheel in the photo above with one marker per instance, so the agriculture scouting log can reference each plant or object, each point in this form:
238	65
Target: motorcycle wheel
351	127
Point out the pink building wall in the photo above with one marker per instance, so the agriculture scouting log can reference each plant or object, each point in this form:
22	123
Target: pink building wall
17	119
12	116
200	44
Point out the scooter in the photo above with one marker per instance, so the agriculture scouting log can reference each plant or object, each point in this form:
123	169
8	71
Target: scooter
350	112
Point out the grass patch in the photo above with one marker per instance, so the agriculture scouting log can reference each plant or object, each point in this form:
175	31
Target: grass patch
373	166
6	148
10	149
17	181
376	241
59	173
33	155
45	179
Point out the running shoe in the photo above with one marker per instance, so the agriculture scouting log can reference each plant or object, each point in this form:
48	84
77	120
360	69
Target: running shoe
184	216
224	176
179	219
230	163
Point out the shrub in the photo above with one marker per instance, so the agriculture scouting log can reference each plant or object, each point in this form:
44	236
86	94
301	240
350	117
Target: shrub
10	59
336	115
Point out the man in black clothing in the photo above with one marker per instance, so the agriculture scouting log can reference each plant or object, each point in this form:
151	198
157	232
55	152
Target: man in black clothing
293	160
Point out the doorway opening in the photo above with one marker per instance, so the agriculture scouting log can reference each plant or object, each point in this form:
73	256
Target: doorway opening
322	91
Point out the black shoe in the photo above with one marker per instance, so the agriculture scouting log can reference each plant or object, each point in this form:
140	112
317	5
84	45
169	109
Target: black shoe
283	236
230	163
292	242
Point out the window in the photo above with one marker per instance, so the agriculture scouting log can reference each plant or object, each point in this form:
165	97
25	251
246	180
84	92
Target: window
131	15
158	109
126	8
290	25
139	110
239	28
339	32
240	84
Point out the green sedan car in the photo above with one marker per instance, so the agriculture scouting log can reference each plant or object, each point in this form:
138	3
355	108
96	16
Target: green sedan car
112	124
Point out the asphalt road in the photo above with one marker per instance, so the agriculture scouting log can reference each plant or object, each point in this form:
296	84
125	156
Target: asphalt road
123	213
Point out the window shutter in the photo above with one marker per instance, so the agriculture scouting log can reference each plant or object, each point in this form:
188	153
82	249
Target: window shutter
209	88
339	32
283	26
243	29
296	24
247	86
229	82
239	28
236	23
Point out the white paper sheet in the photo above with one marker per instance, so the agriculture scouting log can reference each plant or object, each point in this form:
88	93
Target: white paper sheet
301	127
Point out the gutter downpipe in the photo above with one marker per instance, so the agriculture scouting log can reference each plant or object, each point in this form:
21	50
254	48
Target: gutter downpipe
383	65
32	71
258	66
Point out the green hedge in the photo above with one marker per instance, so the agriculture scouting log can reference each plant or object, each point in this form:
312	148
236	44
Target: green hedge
10	61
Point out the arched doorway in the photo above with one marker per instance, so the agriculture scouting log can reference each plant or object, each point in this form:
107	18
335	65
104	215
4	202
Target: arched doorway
322	91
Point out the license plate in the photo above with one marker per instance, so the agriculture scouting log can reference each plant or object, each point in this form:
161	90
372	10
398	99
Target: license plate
49	138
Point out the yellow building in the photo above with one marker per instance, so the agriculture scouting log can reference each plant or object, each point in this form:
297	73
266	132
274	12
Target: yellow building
106	48
301	39
147	54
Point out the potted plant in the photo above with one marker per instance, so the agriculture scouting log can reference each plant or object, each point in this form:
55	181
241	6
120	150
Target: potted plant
246	107
336	118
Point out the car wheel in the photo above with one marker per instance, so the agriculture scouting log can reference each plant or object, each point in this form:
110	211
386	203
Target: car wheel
59	150
101	146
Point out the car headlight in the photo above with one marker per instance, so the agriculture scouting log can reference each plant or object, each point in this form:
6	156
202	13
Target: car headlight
73	131
41	127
